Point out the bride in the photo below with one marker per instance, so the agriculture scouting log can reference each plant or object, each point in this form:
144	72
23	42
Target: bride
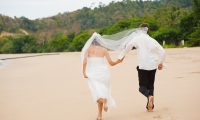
97	73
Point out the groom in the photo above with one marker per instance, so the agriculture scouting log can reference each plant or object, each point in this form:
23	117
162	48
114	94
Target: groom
147	52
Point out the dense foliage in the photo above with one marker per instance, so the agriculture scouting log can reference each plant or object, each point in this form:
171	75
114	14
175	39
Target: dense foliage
170	20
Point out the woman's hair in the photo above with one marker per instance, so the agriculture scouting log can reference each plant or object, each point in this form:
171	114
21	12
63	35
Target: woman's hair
94	42
145	25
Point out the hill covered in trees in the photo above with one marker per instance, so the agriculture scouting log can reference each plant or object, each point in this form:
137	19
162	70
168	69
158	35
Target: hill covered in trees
169	20
87	18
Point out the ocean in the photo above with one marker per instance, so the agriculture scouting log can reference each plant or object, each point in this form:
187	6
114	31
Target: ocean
2	63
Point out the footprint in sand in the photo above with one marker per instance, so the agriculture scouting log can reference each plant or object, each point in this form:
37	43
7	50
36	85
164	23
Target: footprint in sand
195	72
159	117
178	77
165	114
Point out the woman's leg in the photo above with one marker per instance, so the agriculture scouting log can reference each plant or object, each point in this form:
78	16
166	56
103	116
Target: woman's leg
102	104
105	107
100	107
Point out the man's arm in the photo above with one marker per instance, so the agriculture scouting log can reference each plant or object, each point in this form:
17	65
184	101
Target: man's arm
127	49
162	55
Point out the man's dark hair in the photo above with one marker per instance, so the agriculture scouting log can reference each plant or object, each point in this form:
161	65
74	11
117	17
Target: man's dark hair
145	25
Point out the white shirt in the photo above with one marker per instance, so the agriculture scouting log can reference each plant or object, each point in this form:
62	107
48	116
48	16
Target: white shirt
148	50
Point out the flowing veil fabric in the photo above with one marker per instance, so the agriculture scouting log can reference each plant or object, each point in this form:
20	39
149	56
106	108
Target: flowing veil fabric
115	42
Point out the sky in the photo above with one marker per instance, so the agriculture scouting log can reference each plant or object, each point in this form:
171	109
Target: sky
34	9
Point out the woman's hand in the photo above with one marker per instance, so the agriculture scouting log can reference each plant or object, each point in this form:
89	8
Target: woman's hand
119	61
85	76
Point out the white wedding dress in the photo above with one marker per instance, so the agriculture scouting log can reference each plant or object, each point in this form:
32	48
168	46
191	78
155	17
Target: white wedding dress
99	80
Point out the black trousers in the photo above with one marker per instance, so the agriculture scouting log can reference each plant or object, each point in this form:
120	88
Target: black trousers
146	81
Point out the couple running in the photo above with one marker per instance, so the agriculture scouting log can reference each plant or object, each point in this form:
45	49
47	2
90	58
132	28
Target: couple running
97	72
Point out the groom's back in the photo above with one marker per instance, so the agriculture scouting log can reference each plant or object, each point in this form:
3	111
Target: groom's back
145	42
147	51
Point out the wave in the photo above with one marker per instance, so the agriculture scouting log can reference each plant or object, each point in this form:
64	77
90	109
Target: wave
2	63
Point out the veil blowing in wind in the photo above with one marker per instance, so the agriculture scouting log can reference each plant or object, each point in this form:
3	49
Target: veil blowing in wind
115	42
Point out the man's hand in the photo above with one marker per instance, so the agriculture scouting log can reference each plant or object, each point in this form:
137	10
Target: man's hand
122	59
160	67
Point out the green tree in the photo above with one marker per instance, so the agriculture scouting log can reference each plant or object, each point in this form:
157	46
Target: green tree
59	45
57	35
30	45
120	26
186	26
8	47
194	39
24	44
169	35
71	36
196	9
173	16
3	40
79	41
190	25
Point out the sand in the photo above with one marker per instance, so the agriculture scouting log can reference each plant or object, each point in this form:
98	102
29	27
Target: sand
52	87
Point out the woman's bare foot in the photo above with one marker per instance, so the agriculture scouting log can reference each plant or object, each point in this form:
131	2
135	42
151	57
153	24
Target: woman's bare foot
105	107
150	105
99	118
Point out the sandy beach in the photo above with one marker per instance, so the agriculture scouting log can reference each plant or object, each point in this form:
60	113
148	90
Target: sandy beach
52	87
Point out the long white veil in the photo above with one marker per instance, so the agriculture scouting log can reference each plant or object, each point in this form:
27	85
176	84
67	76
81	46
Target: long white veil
115	42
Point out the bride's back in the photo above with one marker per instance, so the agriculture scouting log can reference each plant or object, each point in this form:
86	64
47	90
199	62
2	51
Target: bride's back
96	51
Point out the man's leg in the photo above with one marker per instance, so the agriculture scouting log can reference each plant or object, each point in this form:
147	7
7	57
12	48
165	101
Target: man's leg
152	74
143	81
144	90
151	90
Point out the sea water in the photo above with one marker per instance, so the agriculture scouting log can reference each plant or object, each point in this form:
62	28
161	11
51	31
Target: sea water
2	63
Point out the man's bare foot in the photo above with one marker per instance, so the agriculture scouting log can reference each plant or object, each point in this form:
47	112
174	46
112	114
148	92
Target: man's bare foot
105	107
150	105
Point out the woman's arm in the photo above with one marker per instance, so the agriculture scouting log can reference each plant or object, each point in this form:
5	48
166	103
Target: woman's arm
85	64
110	61
84	69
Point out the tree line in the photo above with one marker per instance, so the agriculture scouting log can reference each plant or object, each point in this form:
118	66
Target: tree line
169	23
